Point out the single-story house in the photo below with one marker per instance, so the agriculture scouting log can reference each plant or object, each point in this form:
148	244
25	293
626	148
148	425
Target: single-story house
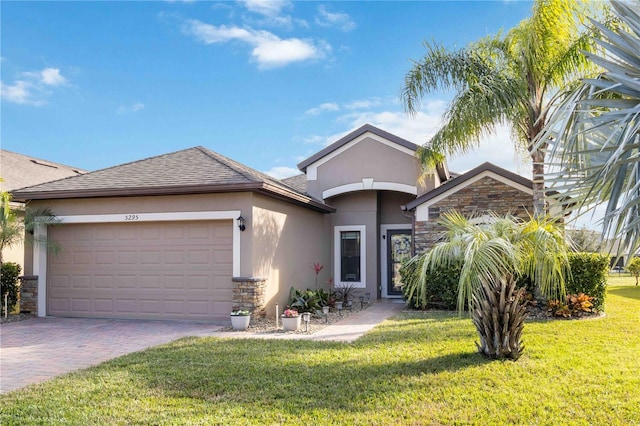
19	171
192	234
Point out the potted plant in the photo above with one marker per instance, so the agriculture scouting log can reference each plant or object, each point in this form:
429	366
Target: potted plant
291	320
240	319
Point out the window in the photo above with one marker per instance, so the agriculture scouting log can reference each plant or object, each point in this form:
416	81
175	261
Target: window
349	255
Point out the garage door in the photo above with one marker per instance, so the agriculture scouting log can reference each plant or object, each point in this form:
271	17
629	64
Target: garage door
151	270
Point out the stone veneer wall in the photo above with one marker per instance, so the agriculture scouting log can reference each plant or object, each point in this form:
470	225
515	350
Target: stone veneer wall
29	294
249	295
477	199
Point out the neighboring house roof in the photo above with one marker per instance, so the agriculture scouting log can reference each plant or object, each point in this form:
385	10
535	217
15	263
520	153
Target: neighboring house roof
19	170
191	171
459	180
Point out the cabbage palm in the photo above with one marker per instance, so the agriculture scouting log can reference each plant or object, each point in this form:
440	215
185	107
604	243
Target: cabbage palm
512	78
597	148
494	254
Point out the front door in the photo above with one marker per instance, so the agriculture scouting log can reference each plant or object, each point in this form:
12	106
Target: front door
398	250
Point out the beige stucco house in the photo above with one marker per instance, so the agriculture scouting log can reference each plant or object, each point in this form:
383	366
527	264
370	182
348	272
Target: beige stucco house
193	234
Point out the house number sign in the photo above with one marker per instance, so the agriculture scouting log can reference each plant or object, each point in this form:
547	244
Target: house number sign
131	217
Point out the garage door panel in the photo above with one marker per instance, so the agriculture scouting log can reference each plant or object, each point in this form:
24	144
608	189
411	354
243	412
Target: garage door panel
150	257
102	306
81	305
82	281
176	270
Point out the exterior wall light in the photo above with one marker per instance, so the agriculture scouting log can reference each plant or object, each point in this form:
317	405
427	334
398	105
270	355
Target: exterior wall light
240	220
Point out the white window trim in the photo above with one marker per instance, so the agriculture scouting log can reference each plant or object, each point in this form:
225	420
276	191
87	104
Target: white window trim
384	248
363	255
40	250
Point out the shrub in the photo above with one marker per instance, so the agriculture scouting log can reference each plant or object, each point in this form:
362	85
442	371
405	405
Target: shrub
344	293
589	276
634	267
576	305
441	285
9	284
306	300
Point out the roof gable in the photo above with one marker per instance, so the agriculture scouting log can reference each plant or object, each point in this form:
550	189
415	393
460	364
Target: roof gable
462	181
335	147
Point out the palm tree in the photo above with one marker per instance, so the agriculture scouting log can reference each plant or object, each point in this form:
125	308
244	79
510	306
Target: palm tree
514	78
14	231
494	255
596	150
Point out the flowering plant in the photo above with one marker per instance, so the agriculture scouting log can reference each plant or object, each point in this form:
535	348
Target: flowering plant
240	313
317	267
290	313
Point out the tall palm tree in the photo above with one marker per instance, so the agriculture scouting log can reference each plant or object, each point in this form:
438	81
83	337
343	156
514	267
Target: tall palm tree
514	78
596	151
494	254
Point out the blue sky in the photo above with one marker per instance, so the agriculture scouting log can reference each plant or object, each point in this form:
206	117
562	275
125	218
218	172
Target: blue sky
95	84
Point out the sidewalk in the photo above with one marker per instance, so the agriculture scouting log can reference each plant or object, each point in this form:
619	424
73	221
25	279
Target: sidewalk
346	330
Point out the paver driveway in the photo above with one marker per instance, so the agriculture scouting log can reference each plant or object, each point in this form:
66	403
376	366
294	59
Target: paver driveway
36	350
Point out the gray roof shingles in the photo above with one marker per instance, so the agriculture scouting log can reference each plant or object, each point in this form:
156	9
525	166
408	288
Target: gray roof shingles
19	170
183	171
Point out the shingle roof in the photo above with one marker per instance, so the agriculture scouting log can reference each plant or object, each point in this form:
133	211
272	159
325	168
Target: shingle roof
193	170
299	182
19	170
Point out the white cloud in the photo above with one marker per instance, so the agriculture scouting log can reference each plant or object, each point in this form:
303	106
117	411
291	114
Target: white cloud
363	103
269	50
334	19
20	92
138	106
269	8
328	106
282	172
52	77
352	105
271	13
32	87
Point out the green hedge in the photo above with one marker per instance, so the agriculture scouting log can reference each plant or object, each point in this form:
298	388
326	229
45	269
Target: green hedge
589	276
9	283
440	291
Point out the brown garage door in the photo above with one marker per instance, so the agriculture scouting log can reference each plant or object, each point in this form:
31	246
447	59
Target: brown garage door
152	270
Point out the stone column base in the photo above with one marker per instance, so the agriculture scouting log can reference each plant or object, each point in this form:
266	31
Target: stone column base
249	295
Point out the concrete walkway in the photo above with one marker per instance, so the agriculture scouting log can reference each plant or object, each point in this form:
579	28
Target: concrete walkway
40	349
346	330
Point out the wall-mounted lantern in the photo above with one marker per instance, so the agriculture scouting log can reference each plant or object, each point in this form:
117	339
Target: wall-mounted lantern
241	225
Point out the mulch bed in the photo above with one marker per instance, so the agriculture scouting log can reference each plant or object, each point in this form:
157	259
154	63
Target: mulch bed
540	313
16	318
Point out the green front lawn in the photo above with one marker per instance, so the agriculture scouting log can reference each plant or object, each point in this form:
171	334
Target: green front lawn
418	368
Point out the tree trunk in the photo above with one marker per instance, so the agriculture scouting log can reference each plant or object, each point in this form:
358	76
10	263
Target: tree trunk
498	314
537	157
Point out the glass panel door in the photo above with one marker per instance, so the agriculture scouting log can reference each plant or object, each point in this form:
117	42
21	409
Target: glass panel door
398	250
